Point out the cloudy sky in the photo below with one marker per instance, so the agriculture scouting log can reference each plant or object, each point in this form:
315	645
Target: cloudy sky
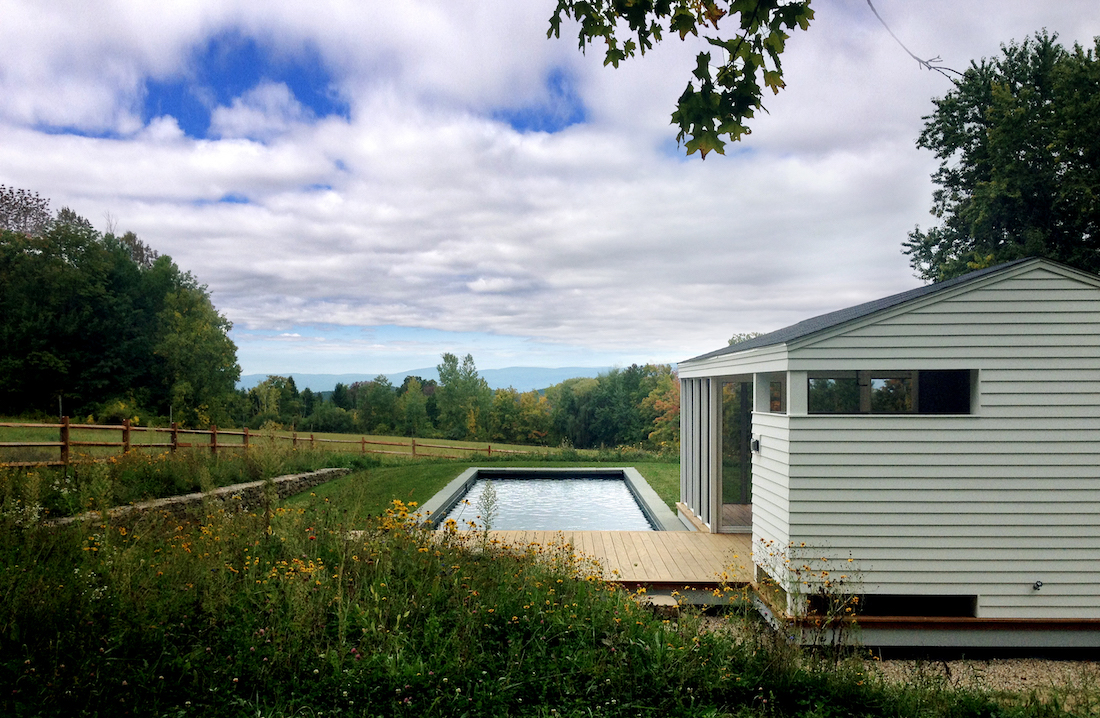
364	185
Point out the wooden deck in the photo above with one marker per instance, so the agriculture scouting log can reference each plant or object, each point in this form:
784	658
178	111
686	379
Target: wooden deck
660	558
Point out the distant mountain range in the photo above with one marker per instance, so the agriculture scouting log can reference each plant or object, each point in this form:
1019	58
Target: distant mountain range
521	378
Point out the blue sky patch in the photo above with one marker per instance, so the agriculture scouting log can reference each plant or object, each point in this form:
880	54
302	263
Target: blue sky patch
229	65
234	198
561	108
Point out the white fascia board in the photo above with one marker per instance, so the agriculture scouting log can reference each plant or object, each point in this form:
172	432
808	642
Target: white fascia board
762	359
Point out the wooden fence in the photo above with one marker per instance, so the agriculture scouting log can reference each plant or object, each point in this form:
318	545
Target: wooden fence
215	440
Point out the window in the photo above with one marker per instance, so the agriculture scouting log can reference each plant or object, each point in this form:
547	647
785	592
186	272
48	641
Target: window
770	392
945	392
890	392
776	405
834	395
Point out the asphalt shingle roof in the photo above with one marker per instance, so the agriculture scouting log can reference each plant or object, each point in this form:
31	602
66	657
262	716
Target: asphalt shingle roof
827	321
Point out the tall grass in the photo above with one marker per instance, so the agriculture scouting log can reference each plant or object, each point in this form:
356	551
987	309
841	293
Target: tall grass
137	476
316	608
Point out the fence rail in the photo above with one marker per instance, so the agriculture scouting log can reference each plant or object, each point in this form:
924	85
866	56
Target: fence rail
215	442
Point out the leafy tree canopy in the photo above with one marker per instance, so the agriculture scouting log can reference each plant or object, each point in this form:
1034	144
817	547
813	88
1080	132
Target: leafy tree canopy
23	211
463	397
749	35
742	337
1018	141
93	320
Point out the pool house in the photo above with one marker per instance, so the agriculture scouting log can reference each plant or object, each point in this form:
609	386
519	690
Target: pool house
940	448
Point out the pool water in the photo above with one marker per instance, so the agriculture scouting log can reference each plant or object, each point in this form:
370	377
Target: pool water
555	505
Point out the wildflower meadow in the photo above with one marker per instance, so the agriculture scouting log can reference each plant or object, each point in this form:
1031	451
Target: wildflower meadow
317	607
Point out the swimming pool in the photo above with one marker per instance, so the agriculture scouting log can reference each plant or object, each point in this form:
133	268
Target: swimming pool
553	499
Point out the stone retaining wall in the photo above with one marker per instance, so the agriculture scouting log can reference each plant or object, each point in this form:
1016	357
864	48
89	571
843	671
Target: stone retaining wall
247	495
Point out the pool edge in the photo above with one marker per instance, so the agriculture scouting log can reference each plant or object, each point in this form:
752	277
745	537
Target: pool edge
653	507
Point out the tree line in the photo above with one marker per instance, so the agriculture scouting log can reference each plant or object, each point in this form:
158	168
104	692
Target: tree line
638	405
100	324
101	327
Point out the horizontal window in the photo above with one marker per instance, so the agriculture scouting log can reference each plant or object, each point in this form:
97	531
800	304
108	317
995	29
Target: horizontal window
890	392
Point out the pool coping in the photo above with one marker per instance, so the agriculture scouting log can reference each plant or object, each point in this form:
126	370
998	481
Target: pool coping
656	511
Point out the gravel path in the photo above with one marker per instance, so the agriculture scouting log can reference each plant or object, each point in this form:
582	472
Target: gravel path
1013	675
1016	675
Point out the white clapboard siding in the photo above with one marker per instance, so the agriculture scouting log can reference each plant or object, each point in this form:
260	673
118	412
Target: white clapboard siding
770	482
981	505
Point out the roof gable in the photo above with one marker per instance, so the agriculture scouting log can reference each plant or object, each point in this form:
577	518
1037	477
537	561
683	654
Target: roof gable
819	324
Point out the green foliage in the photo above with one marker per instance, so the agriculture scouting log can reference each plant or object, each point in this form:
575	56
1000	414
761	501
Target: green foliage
612	409
23	211
663	403
717	101
412	408
1018	141
90	319
139	476
198	360
332	419
341	397
376	404
463	398
276	399
636	406
742	337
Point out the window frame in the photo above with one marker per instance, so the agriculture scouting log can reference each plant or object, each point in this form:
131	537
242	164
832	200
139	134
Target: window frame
866	379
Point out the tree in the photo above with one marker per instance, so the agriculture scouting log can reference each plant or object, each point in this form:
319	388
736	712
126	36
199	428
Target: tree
199	360
309	401
23	211
751	35
663	402
1018	140
534	422
463	398
742	337
504	416
276	399
375	403
573	408
92	320
412	407
341	397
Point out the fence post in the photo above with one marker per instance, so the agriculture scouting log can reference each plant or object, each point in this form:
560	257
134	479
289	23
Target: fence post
213	439
414	446
294	440
65	440
362	445
126	436
175	436
312	443
488	450
245	439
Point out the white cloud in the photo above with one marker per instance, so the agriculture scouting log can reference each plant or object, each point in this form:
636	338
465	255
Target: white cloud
422	211
264	112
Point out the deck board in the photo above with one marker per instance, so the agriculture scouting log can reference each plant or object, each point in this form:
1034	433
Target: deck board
651	557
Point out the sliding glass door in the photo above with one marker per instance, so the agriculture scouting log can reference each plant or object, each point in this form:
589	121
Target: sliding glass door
736	475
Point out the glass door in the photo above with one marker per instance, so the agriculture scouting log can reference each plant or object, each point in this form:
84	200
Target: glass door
736	476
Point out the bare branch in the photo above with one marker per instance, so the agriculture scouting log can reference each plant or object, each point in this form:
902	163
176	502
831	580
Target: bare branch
931	63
